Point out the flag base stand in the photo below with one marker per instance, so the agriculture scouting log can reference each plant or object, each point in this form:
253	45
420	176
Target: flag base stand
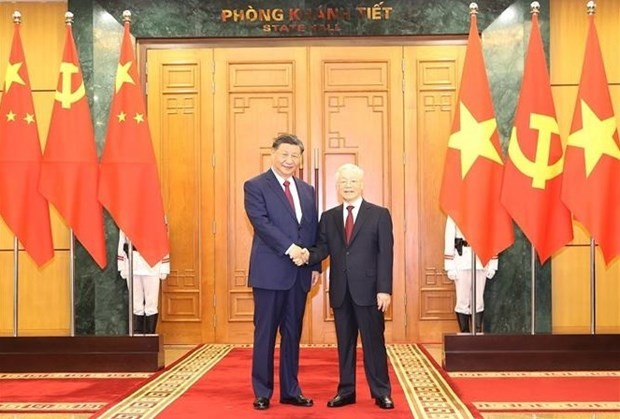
139	353
541	352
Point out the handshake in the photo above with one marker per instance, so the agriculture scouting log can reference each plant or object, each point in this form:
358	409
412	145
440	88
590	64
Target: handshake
299	255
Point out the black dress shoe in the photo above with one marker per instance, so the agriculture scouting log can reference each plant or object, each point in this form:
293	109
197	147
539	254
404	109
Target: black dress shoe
298	401
384	402
261	403
340	401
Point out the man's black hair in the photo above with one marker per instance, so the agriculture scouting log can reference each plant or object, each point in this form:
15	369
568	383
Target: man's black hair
287	139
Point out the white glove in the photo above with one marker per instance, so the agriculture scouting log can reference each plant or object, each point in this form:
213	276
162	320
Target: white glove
124	269
163	276
489	272
452	274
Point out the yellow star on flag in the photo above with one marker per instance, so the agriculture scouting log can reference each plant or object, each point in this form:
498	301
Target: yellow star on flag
10	116
29	118
139	118
121	117
12	76
474	140
596	137
123	76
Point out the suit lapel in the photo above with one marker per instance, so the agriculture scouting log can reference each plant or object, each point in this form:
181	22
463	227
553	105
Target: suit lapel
303	202
340	222
279	192
362	216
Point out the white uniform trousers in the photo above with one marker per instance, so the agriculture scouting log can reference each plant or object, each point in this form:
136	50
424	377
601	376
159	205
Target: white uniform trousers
145	294
463	291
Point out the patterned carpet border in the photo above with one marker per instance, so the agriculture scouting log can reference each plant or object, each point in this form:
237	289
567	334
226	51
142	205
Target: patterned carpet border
149	400
72	375
514	407
567	406
64	407
527	374
427	389
54	407
427	392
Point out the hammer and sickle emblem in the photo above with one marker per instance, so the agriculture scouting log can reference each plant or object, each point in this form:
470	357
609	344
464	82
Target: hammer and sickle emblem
68	97
539	170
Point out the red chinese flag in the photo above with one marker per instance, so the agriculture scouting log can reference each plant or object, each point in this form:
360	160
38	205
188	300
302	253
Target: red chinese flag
129	186
23	208
592	161
70	167
533	171
472	176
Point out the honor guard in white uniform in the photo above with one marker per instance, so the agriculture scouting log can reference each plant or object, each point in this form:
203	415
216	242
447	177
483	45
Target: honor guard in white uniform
146	281
458	265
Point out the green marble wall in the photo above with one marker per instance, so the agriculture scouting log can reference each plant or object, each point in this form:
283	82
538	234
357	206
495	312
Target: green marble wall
101	296
508	295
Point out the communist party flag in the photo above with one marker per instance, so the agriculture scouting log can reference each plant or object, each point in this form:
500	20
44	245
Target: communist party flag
533	170
70	167
129	186
592	162
471	184
23	208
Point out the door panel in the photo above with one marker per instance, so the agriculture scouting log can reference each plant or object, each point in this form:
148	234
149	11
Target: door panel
356	114
214	113
260	92
180	117
433	73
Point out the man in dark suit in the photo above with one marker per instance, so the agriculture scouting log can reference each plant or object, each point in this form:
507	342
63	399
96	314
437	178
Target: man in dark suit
358	238
283	213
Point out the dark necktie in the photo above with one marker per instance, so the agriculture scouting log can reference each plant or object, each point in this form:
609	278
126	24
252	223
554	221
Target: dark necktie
288	194
348	224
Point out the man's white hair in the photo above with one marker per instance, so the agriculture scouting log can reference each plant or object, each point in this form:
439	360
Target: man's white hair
349	167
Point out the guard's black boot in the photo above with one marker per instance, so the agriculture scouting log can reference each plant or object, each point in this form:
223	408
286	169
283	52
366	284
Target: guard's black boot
150	323
138	324
479	317
463	320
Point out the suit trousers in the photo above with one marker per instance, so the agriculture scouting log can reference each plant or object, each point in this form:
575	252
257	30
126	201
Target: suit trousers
350	319
275	310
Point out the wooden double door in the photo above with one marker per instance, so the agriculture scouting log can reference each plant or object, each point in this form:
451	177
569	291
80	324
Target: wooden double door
214	112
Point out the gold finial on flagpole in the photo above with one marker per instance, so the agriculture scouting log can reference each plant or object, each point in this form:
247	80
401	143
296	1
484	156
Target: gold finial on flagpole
126	16
17	17
69	18
591	7
535	8
473	8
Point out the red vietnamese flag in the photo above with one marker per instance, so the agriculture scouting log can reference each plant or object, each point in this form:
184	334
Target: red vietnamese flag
23	208
533	170
592	161
128	181
472	176
70	168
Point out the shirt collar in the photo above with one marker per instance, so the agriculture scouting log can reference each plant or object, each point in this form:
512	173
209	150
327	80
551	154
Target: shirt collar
357	204
281	179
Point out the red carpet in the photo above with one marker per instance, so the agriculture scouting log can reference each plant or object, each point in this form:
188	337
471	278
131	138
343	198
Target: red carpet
65	392
569	391
226	391
539	389
536	391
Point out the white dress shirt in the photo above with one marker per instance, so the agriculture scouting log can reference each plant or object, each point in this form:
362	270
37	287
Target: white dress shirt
356	209
293	188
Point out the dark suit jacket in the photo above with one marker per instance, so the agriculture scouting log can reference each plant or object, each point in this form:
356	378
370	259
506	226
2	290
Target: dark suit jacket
275	229
366	263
